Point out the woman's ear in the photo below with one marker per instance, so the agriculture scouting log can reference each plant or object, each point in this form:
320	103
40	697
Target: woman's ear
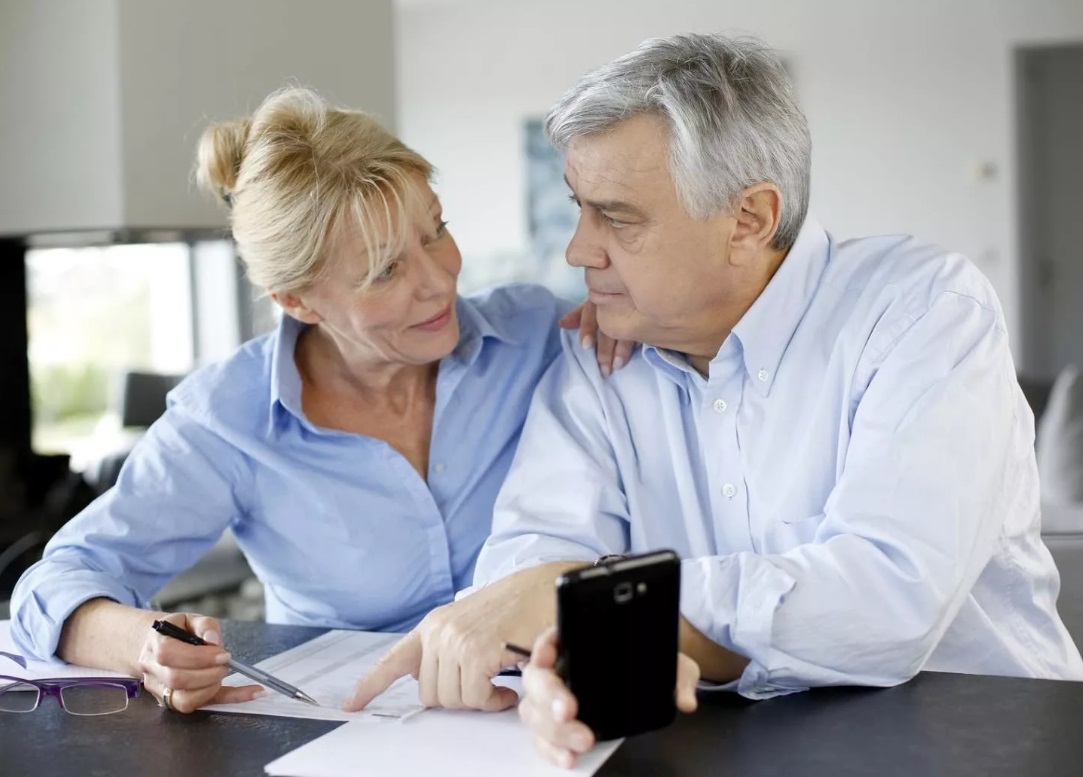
294	305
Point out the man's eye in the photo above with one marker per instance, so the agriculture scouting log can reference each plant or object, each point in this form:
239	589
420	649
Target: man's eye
574	199
441	228
614	223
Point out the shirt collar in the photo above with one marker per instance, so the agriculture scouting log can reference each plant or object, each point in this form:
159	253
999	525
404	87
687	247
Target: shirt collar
474	328
766	329
285	378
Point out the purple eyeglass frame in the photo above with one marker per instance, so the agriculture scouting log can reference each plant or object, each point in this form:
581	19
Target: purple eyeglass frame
54	688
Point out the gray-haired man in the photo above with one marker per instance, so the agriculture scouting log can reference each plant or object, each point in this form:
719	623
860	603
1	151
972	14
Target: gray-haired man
830	434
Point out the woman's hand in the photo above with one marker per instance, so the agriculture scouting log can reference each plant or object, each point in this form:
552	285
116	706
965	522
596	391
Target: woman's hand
193	673
612	354
549	709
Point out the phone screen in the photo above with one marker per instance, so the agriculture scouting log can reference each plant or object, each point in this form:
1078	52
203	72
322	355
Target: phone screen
619	625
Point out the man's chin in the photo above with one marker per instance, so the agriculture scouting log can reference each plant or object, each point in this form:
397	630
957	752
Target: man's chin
619	327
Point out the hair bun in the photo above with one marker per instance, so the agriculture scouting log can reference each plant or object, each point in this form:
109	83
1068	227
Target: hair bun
221	151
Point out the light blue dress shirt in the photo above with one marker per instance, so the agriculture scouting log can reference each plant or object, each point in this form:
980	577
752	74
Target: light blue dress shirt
853	487
340	528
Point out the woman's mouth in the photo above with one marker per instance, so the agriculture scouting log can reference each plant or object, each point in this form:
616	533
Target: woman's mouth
437	322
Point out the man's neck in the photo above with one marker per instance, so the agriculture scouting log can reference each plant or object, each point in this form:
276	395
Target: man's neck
702	352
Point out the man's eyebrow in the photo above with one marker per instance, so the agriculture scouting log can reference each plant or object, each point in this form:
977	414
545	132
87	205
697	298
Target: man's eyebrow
609	206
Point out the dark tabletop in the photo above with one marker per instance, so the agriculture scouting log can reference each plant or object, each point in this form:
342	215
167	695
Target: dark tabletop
939	724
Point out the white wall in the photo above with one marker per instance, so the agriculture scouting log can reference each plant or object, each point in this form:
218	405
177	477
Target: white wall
906	101
102	101
185	63
59	115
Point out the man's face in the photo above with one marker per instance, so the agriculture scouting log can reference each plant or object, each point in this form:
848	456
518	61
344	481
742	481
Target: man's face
657	275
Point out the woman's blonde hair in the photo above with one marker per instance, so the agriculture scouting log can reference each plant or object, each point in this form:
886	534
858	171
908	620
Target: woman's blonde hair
298	168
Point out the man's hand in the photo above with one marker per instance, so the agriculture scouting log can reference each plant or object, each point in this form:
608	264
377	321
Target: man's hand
457	649
549	709
611	354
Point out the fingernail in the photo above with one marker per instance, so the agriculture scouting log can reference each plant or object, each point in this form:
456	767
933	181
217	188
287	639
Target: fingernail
618	362
222	658
211	636
587	343
259	694
567	759
560	709
581	742
605	371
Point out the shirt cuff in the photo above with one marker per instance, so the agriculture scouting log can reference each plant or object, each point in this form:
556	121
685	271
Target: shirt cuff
44	601
732	600
466	591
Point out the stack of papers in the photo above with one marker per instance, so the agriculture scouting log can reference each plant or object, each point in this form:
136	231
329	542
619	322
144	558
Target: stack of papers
327	668
447	743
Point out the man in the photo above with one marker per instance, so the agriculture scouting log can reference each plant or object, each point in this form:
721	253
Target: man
830	434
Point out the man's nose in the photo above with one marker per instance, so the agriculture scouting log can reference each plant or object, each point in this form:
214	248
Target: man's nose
584	249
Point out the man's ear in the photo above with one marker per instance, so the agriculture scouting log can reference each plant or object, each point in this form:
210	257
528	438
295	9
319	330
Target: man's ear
757	214
293	305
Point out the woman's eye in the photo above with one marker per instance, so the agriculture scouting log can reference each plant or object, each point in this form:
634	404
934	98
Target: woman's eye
441	230
387	272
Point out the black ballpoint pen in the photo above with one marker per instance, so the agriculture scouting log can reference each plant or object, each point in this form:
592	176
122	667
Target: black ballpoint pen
516	649
169	630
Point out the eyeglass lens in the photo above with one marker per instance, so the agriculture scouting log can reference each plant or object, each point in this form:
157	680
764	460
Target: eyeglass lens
94	699
18	697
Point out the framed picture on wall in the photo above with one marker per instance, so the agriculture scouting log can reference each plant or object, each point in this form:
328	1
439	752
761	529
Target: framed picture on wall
551	215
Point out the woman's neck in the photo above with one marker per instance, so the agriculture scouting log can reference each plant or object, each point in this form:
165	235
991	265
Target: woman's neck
322	362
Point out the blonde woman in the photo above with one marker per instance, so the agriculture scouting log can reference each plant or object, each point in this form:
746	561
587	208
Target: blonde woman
356	452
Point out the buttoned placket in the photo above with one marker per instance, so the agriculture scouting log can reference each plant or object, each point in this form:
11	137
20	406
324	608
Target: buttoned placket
720	405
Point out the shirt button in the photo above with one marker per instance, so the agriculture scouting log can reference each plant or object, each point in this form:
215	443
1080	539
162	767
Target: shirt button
729	491
720	406
438	467
763	375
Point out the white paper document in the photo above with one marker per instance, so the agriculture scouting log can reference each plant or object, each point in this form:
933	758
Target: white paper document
448	743
28	669
327	668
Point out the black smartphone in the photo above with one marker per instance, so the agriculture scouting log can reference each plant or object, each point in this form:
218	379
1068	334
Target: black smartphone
619	624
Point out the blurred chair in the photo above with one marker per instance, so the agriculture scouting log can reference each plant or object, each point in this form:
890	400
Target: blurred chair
141	397
1067	550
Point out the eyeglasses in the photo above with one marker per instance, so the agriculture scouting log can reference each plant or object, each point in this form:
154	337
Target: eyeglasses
77	695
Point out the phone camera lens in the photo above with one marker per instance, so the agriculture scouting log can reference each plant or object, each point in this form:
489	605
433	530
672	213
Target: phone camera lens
622	593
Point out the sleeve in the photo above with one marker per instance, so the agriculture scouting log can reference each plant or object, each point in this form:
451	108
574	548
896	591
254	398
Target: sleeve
909	526
175	496
562	499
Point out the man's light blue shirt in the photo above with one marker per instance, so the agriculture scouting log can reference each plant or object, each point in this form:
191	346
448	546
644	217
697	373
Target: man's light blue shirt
340	528
853	487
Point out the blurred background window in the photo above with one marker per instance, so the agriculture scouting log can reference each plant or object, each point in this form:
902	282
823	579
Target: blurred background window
95	313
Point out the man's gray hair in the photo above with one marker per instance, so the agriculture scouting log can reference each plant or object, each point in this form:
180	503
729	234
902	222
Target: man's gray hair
732	116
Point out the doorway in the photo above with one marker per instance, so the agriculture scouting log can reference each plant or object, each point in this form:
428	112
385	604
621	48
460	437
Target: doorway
1049	89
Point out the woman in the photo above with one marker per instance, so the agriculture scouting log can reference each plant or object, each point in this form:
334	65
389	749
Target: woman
356	453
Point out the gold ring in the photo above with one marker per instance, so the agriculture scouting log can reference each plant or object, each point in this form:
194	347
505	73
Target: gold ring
167	699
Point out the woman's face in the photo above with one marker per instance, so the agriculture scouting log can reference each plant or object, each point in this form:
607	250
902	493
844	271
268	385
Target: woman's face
406	315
